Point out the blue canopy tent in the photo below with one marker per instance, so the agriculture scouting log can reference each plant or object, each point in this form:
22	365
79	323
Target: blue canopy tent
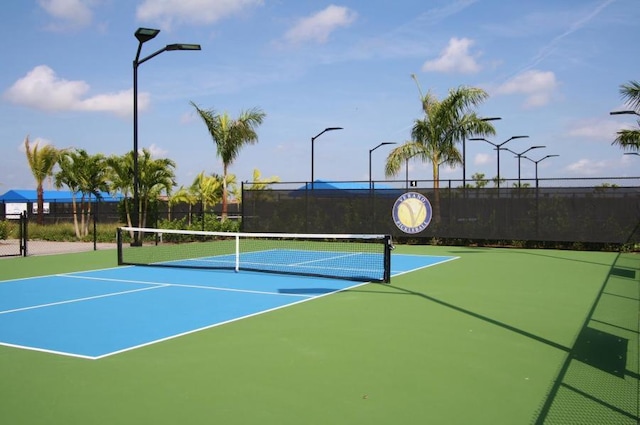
62	196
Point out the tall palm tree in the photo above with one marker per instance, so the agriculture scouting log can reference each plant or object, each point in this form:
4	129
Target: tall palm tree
630	138
42	160
182	195
434	137
86	174
229	136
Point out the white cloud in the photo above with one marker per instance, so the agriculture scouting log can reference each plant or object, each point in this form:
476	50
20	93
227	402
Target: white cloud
199	12
588	167
482	158
597	129
318	27
156	151
538	87
42	89
455	58
68	13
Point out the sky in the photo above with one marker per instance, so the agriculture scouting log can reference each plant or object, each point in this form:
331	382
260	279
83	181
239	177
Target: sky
552	69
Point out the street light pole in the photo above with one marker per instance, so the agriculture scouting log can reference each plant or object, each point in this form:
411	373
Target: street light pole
143	35
519	156
498	149
313	139
536	163
464	153
370	152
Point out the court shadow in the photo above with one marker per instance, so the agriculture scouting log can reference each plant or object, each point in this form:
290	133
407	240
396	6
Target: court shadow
611	346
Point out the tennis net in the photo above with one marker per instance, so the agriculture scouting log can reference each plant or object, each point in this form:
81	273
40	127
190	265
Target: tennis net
353	257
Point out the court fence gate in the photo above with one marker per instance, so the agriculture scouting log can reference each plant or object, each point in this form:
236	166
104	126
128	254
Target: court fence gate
15	246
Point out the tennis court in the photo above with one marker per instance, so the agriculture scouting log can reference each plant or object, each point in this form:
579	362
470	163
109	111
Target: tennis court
459	335
98	313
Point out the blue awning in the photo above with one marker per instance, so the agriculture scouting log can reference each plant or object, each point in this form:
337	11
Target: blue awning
31	195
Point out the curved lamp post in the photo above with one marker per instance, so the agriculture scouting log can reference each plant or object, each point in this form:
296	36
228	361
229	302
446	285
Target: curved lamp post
519	156
538	161
464	152
370	152
143	35
498	147
313	139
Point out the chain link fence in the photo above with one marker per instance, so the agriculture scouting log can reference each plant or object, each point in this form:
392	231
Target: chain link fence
600	214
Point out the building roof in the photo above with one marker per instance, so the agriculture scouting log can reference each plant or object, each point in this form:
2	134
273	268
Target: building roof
329	185
31	195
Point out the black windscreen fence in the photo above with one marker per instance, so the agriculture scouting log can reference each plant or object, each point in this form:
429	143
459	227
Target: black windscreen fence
575	214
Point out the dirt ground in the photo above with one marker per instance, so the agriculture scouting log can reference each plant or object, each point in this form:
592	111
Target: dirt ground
11	247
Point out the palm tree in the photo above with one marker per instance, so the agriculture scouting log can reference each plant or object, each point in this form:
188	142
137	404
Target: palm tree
434	137
207	189
86	174
156	176
229	136
182	195
259	183
120	171
630	138
42	160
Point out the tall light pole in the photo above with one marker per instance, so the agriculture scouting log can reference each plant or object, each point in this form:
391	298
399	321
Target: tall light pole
538	161
499	148
143	35
519	156
370	152
313	139
464	153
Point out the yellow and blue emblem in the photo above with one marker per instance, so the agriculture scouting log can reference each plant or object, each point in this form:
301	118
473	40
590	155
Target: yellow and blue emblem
412	212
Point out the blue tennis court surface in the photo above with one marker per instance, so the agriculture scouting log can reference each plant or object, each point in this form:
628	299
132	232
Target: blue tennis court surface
104	312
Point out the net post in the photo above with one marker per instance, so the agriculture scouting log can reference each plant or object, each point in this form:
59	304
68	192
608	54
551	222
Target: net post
237	267
388	246
119	244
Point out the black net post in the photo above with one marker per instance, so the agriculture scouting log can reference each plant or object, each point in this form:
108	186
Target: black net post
119	244
388	246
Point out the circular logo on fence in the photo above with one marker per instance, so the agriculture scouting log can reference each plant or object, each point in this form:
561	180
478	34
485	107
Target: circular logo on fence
412	212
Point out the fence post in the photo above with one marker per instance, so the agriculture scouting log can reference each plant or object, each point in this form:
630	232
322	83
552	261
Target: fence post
23	233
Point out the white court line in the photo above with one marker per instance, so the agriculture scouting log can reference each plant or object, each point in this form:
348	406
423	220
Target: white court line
184	285
258	313
44	350
424	267
80	299
323	259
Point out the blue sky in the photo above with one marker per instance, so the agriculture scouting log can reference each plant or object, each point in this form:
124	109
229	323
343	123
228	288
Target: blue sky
552	69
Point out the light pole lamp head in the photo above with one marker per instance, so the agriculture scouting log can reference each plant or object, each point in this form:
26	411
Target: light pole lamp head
182	46
518	137
628	112
145	34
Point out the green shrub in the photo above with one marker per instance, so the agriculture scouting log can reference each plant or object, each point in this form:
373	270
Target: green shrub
4	229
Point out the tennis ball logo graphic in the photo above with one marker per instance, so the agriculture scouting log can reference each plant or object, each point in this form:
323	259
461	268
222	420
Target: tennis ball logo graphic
412	212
